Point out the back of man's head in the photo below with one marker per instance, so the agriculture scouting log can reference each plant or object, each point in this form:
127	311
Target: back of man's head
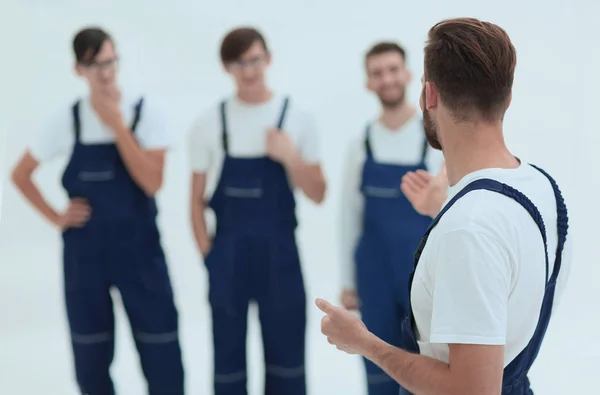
472	65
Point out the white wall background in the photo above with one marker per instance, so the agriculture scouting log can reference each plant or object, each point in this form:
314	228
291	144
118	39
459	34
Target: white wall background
170	49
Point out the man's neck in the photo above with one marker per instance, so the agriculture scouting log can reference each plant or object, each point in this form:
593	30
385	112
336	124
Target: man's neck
474	147
255	97
394	118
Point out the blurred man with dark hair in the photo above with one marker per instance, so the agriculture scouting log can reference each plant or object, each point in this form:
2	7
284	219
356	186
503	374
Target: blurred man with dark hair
248	155
380	229
496	257
117	147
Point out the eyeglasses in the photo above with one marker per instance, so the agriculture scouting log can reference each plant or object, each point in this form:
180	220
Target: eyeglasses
101	66
252	62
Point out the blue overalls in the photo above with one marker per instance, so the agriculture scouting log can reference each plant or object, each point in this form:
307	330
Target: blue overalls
391	233
515	380
254	257
118	247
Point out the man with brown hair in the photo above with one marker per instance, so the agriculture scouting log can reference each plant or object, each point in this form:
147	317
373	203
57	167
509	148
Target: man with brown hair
496	257
116	144
248	154
379	228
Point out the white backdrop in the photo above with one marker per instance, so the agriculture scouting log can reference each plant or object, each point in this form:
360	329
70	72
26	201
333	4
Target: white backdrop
170	49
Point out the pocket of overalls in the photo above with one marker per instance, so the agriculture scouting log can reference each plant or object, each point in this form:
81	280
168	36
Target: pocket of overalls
286	282
219	264
150	258
98	168
244	198
382	191
71	256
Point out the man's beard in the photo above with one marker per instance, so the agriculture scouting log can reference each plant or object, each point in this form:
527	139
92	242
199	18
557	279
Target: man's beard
429	125
431	131
391	104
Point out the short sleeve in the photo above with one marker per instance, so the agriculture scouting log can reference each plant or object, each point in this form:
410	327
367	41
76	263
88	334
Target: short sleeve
54	137
308	141
152	131
472	278
199	140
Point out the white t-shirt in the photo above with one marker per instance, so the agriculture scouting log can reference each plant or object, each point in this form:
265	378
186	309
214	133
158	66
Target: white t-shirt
481	277
56	136
401	146
247	126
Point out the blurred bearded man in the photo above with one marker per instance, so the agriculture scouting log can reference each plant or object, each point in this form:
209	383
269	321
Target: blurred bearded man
380	229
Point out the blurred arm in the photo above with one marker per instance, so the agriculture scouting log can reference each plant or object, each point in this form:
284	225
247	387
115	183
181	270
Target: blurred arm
308	177
201	158
144	157
54	138
304	166
22	179
197	212
351	211
145	167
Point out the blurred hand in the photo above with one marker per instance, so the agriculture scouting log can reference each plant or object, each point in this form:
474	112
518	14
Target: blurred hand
279	146
426	192
76	215
205	245
349	299
342	328
106	104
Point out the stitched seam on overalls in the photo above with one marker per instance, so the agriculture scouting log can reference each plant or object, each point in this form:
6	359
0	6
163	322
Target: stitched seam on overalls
91	338
230	377
285	372
156	338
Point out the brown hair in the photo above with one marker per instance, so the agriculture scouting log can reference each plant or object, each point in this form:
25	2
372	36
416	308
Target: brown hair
472	64
385	47
88	42
238	41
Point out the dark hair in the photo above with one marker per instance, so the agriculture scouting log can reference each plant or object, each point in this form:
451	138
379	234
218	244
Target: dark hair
472	64
238	41
384	47
87	43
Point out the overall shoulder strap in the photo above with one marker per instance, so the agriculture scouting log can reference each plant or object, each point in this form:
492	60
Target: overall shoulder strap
76	120
224	127
498	187
137	113
286	102
368	149
425	144
562	223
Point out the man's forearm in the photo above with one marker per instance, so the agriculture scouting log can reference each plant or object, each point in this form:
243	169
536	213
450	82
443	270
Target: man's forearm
33	195
199	225
309	178
145	171
418	374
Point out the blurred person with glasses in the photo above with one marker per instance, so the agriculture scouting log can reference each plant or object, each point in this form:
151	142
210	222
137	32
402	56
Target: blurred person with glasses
249	154
117	146
380	230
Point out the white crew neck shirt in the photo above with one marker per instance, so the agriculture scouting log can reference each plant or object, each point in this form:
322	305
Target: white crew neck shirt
247	126
481	277
56	136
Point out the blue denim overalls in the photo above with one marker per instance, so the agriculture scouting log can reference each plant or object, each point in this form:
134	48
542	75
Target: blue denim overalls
254	258
118	247
391	231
